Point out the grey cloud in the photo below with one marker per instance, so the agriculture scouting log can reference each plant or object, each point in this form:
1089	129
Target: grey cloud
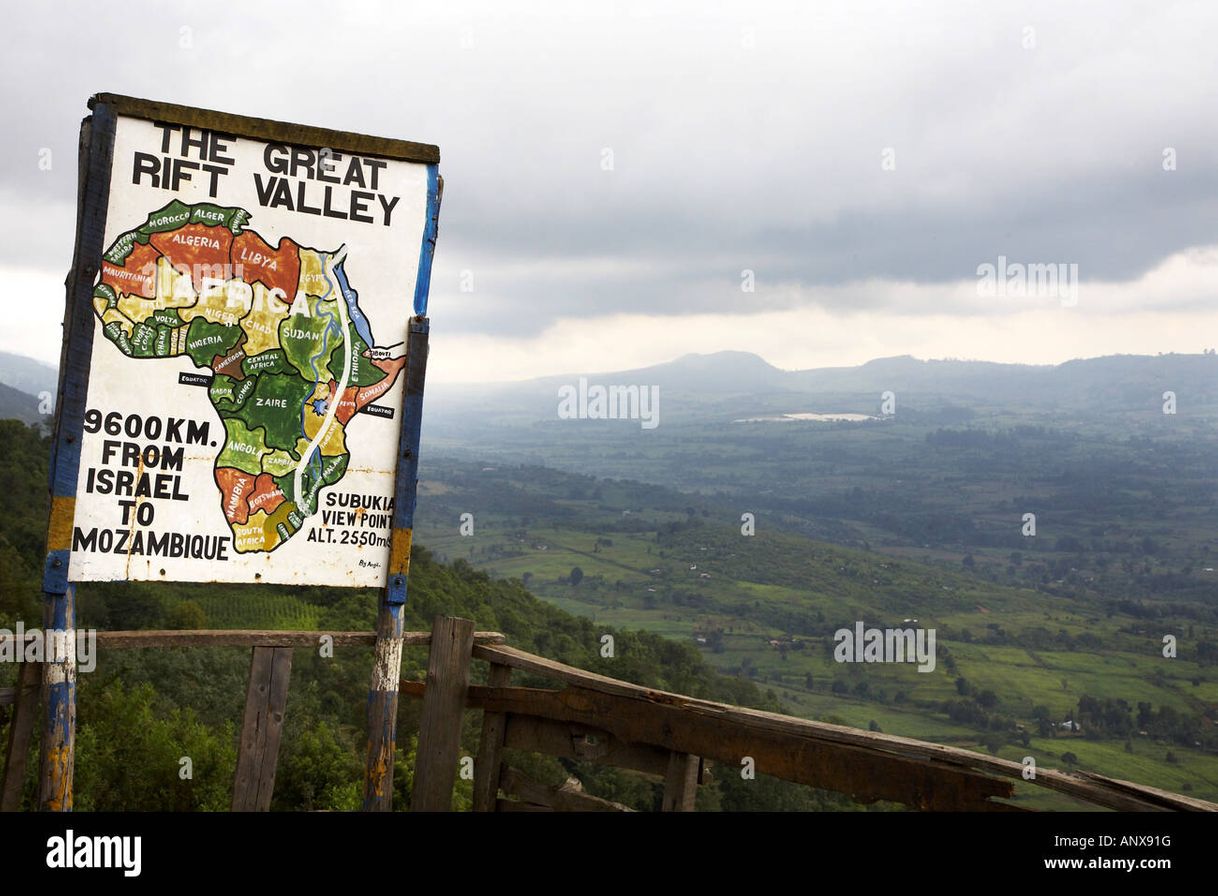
725	157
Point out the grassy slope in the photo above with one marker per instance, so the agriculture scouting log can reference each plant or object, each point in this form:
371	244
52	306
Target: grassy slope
774	585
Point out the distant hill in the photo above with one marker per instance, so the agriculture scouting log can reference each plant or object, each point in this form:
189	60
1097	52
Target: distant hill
739	383
27	375
695	374
15	405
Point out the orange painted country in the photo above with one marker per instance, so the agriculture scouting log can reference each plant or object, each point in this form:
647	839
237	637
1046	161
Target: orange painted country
267	495
199	249
137	275
369	394
257	260
391	366
236	486
346	404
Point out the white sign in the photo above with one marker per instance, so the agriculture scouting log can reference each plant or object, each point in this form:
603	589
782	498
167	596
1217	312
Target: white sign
248	360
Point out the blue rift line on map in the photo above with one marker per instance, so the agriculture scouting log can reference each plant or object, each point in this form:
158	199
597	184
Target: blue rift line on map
314	459
352	296
422	283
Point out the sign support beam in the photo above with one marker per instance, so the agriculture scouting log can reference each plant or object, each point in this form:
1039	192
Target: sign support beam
59	605
387	659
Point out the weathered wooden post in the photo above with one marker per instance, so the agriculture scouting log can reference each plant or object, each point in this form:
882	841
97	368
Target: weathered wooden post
435	771
266	700
681	783
489	764
387	656
20	733
387	659
59	608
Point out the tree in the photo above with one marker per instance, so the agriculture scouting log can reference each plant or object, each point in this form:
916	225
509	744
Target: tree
577	575
187	615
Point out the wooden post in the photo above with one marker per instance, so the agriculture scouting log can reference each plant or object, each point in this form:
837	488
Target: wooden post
96	152
438	752
266	699
59	698
488	765
387	662
681	783
20	733
387	657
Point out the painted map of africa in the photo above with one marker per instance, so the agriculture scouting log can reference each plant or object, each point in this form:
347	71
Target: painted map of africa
292	356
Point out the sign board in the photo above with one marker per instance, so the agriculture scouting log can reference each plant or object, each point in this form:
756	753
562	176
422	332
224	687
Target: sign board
247	357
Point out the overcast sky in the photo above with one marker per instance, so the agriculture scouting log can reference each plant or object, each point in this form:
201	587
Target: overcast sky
612	173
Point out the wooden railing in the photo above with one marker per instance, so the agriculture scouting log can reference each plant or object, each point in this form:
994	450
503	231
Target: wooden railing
664	736
672	737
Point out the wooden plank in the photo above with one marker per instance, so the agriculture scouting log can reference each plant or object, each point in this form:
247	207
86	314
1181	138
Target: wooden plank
440	724
1107	792
533	726
268	130
565	740
537	735
20	734
487	765
130	640
681	783
563	799
262	728
867	775
527	662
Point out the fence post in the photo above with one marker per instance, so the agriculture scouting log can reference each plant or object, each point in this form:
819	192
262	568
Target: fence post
435	771
266	699
20	733
681	783
487	766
